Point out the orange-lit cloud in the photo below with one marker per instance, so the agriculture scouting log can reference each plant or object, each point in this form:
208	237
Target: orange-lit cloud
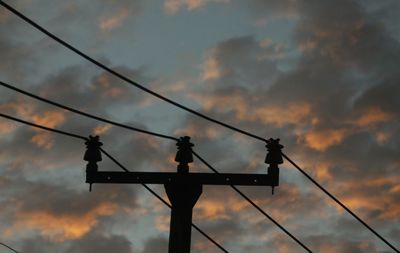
162	222
211	209
21	107
322	139
111	22
322	171
104	81
173	6
42	140
386	206
102	129
373	116
49	119
211	69
293	113
60	227
383	204
6	127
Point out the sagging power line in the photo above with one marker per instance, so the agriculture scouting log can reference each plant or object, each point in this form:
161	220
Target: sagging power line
149	189
84	113
174	138
123	77
128	80
5	245
116	162
158	135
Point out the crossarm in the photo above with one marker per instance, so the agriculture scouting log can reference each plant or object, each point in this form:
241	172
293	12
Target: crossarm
111	177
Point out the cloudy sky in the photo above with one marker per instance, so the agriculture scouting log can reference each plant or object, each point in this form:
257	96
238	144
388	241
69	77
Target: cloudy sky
321	75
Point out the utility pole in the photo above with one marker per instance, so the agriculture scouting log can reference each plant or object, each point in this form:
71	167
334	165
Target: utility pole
183	188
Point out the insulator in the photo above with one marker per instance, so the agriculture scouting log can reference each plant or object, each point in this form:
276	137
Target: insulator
184	154
274	155
93	154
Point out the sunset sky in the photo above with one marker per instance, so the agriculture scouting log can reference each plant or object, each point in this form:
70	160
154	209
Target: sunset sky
321	75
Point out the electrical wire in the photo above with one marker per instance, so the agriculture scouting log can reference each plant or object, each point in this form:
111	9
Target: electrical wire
147	132
6	85
115	161
5	245
167	204
173	138
43	127
340	203
128	80
121	76
155	194
254	204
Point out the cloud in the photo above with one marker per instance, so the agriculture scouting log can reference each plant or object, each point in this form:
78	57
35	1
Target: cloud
64	214
321	140
6	127
101	129
101	243
211	70
265	11
59	227
111	22
373	116
242	61
335	111
156	245
173	6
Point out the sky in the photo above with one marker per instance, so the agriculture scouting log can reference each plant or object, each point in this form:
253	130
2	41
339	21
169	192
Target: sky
320	75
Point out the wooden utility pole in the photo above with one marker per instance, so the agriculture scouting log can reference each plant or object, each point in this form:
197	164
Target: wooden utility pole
183	188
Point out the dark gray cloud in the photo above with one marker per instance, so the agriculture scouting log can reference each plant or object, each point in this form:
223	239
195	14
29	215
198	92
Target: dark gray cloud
336	111
347	75
273	9
156	245
244	61
95	242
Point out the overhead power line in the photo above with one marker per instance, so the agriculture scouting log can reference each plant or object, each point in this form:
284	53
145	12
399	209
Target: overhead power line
128	80
84	113
121	76
43	127
155	194
166	203
340	203
147	132
255	205
5	245
115	161
174	138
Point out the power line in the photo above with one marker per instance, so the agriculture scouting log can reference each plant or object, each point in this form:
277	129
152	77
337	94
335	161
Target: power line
123	77
166	203
255	205
149	189
5	245
128	80
140	130
174	138
340	203
84	113
43	127
115	161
